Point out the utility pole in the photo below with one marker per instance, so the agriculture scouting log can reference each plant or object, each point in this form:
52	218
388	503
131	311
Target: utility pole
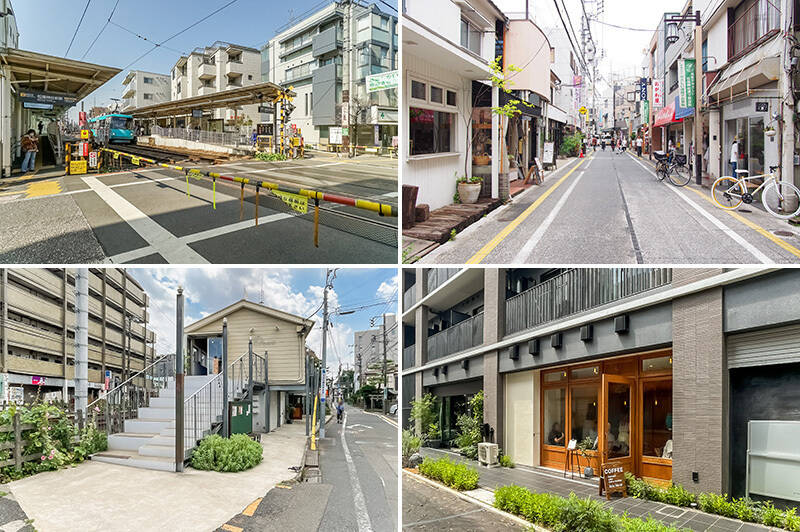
786	148
179	377
698	100
385	391
225	427
324	383
81	341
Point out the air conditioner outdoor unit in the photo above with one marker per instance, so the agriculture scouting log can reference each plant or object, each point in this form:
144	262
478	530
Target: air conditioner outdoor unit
488	454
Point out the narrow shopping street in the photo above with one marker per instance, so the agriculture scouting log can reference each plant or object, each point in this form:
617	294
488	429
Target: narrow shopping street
609	208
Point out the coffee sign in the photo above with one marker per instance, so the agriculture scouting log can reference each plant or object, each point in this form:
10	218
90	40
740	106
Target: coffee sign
613	480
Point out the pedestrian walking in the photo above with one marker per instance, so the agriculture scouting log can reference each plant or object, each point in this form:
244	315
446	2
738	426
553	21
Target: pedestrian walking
254	137
734	155
639	146
41	127
30	147
339	411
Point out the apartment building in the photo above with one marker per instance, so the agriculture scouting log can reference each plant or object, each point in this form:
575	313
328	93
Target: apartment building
368	347
446	47
38	331
669	372
142	88
313	56
219	67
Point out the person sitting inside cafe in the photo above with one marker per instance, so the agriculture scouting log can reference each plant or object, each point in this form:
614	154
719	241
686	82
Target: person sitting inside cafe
556	436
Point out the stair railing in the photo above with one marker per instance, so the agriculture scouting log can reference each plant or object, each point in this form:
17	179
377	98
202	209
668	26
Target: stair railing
122	402
204	407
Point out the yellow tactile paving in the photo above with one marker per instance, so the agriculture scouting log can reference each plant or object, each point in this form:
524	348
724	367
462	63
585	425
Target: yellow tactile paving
42	188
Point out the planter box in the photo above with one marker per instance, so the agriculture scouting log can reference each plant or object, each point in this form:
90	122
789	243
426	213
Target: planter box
469	192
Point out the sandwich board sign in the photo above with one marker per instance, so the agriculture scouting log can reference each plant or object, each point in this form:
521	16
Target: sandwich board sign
613	480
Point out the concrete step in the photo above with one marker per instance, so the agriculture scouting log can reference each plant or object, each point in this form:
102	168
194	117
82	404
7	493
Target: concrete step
126	441
134	459
139	426
151	412
164	451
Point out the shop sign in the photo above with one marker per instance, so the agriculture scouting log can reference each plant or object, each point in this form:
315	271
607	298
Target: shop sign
643	89
92	159
107	383
658	93
613	480
686	82
335	135
197	113
382	81
646	112
547	154
16	394
38	381
297	202
762	107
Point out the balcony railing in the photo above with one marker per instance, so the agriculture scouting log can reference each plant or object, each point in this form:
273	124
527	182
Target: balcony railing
459	337
409	298
437	277
756	24
408	356
579	290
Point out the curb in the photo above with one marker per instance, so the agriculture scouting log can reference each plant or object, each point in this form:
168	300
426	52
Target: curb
520	521
386	419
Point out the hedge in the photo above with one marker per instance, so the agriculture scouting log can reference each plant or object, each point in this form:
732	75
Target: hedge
457	476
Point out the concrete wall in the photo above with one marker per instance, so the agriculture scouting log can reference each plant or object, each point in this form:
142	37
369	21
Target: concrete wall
764	301
521	37
494	290
519	418
700	387
324	94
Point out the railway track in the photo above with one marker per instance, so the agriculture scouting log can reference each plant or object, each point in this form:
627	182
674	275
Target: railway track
169	156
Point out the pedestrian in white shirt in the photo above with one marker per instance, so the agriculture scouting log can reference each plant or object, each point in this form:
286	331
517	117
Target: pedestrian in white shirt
734	155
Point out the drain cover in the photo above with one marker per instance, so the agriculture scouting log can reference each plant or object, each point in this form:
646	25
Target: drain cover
783	233
745	210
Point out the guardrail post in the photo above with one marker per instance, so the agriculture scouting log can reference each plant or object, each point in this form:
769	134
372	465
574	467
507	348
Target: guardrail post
179	374
225	427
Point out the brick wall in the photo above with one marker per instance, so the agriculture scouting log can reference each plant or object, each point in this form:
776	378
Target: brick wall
699	390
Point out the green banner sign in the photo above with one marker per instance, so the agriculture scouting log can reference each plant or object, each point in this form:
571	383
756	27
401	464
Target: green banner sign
645	111
686	82
382	81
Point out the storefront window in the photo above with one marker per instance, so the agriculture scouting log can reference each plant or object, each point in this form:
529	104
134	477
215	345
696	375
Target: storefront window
618	429
555	376
554	409
657	418
657	364
756	161
430	131
584	414
585	373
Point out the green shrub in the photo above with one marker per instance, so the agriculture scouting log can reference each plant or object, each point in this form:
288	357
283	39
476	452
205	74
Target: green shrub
571	514
411	445
791	521
679	496
571	145
457	476
715	503
469	427
423	410
264	156
770	515
236	453
506	461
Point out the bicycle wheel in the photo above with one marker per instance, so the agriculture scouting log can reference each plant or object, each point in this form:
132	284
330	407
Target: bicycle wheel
727	192
680	175
661	171
781	199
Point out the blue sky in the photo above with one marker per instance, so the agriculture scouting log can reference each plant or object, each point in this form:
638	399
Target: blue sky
294	290
46	26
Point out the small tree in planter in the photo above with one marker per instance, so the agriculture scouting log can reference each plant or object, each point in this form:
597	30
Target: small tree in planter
423	410
584	446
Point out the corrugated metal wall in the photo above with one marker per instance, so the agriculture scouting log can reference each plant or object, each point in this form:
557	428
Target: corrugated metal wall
777	345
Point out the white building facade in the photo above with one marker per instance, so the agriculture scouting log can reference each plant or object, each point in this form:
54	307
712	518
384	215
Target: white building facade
368	348
312	57
446	46
144	88
219	67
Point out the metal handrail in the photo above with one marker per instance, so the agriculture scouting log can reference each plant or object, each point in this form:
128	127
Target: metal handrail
129	379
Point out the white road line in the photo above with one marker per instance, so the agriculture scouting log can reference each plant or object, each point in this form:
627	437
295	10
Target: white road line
739	239
390	194
362	517
164	242
134	254
533	241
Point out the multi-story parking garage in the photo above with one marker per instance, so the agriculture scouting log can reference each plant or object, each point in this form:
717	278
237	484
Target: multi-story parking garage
684	375
38	331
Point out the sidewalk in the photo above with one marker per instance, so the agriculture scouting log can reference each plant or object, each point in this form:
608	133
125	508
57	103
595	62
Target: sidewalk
107	497
541	481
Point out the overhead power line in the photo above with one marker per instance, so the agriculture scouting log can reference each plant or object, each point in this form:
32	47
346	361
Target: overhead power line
101	31
86	7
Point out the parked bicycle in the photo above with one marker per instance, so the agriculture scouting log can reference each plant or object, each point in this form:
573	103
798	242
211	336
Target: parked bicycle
781	199
672	166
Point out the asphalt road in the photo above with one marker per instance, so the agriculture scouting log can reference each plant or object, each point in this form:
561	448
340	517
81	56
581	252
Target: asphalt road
359	458
146	216
426	508
610	209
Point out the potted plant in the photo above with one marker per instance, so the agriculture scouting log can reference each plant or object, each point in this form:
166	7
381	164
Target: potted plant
433	438
769	131
584	446
481	159
469	188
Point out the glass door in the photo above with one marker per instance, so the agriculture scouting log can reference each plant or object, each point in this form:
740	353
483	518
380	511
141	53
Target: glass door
616	417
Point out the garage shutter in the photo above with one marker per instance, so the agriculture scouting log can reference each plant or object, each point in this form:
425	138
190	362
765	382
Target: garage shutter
779	345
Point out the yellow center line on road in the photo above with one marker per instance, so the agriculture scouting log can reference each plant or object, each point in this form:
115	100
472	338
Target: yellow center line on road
754	226
494	242
43	188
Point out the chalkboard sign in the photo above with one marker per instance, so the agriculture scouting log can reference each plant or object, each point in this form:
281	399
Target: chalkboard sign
613	480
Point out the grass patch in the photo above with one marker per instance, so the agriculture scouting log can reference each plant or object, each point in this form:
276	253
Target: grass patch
457	476
229	455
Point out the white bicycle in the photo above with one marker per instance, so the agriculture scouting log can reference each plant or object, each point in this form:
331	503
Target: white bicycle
780	198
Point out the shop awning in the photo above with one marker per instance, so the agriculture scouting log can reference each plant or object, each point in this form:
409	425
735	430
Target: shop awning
753	76
682	112
665	116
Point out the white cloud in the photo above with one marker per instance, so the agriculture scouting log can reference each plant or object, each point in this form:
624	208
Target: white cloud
388	289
